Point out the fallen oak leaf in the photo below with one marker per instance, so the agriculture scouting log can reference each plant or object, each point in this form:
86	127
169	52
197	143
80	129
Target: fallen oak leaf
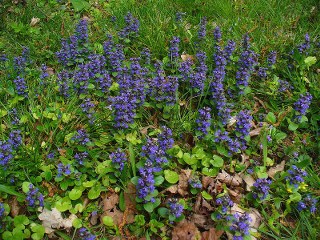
183	182
212	234
225	177
186	230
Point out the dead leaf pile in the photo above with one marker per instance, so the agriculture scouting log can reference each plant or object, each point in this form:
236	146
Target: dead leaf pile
53	220
185	230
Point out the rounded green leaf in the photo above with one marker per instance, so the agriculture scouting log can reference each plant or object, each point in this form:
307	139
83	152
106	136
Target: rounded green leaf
75	194
108	221
217	161
171	176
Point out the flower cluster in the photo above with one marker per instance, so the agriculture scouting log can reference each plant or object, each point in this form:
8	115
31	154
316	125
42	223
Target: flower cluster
303	47
240	226
246	64
63	79
34	197
8	147
156	157
284	86
198	78
204	120
21	62
272	58
15	138
84	234
303	103
308	203
175	208
21	86
229	49
118	158
216	86
202	28
81	137
88	108
234	145
261	188
195	182
225	203
73	48
186	70
63	170
146	56
163	89
243	126
81	79
44	73
296	176
174	49
81	157
132	26
165	139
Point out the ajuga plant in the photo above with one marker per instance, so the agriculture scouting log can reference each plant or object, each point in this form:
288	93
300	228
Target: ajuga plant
213	135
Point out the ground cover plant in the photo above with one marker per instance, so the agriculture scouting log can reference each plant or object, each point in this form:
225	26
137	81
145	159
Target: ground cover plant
197	132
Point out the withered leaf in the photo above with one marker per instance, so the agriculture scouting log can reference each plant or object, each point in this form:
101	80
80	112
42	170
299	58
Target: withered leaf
212	234
225	177
186	230
183	182
278	168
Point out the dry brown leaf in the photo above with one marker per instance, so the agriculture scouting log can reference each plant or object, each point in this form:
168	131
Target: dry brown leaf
212	234
50	71
94	219
109	202
255	132
53	219
14	207
186	57
249	180
225	177
278	168
183	182
199	220
34	21
186	230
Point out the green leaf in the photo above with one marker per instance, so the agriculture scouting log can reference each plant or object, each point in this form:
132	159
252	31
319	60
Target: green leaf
122	204
94	192
271	118
293	126
171	176
206	195
80	5
148	207
163	212
63	204
77	223
21	219
309	61
158	180
217	161
190	160
108	221
139	219
75	194
10	191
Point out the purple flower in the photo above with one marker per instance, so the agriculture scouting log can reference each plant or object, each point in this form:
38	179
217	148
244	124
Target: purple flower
303	47
296	175
175	208
261	188
272	58
63	170
21	86
118	158
308	203
6	153
165	139
146	56
240	226
51	155
82	31
81	137
243	126
195	182
202	28
132	26
15	138
63	79
284	86
204	120
217	34
88	108
246	64
34	197
179	16
303	103
164	89
229	49
81	79
44	73
198	78
225	203
20	62
2	211
84	234
174	49
186	70
81	157
262	72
